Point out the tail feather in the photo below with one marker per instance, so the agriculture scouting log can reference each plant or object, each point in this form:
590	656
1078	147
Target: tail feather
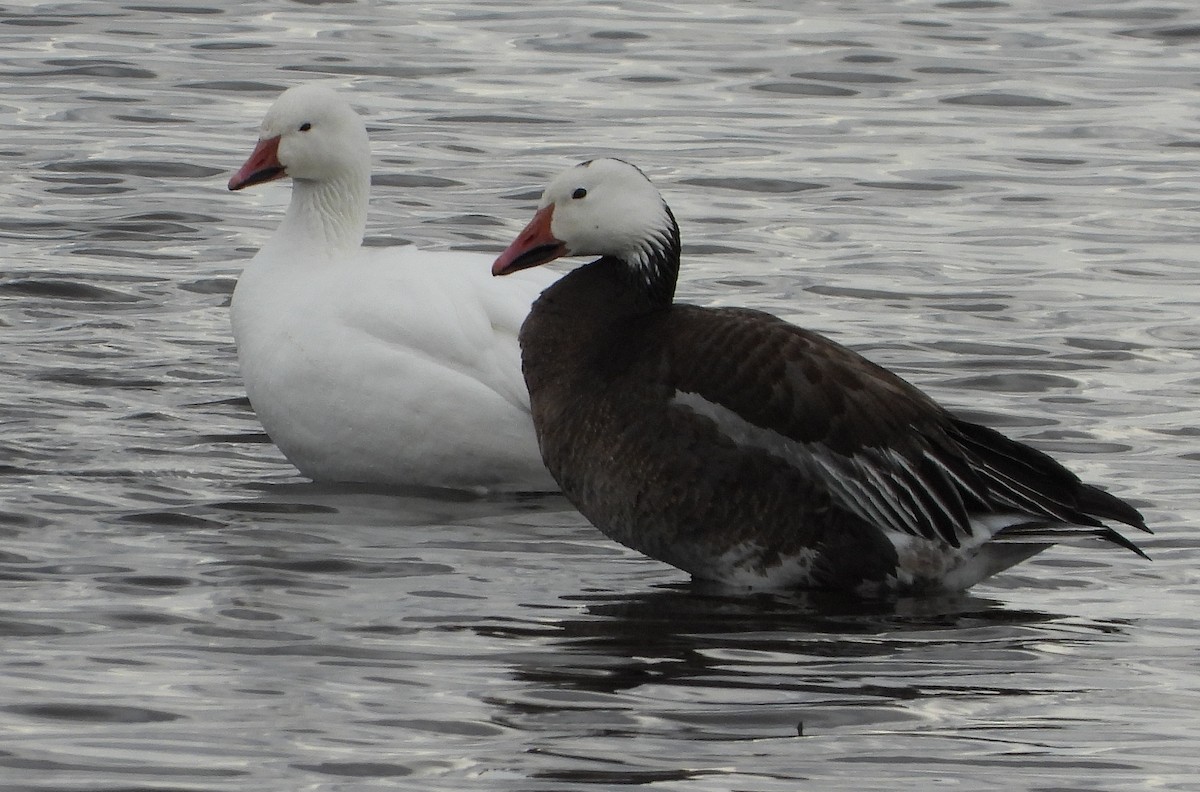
1035	481
1057	532
1107	506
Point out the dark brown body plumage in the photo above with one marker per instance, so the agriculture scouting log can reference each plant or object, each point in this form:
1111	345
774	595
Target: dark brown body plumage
741	448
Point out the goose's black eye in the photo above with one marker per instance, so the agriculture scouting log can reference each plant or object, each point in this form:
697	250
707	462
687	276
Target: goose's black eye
579	193
305	126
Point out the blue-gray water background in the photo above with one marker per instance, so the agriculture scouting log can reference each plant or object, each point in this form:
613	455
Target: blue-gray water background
996	199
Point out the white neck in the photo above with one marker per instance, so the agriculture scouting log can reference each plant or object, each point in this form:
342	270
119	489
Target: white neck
326	217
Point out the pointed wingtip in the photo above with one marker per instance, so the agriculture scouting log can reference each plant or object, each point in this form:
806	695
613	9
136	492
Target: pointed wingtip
1112	535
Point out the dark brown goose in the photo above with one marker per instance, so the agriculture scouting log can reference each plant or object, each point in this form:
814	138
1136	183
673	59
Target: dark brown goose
749	451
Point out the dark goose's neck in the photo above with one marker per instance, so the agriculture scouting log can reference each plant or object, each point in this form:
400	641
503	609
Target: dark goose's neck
589	310
653	269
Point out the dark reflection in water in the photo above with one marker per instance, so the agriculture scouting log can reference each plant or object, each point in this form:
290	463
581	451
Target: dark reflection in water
718	670
675	635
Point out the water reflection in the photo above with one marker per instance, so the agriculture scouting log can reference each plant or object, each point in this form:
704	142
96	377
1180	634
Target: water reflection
809	653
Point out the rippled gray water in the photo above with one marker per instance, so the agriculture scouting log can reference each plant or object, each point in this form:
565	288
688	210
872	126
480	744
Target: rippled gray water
997	199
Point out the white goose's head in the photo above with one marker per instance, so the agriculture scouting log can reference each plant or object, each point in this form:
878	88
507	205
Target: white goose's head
311	134
602	207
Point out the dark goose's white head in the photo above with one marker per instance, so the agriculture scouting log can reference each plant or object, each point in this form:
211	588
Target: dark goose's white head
607	208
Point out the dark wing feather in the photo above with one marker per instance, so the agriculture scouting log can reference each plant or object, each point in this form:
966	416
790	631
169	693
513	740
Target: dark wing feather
884	449
1031	481
876	442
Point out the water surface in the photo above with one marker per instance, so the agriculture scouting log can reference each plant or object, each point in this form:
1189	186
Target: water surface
996	199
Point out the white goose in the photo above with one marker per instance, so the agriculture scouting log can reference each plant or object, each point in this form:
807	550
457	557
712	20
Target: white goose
752	452
392	366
